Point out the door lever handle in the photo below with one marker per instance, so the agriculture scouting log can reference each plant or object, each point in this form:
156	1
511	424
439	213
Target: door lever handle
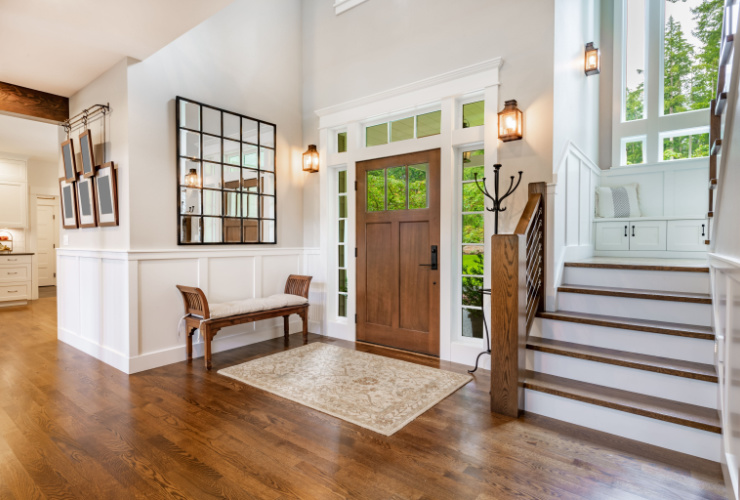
433	265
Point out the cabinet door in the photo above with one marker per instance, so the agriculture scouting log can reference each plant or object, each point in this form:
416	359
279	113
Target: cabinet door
687	235
13	204
612	235
647	235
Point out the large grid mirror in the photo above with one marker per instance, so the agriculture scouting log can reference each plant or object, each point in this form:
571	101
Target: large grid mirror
226	177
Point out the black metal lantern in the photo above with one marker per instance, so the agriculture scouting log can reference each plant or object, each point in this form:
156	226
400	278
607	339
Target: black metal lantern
311	159
191	179
510	122
592	60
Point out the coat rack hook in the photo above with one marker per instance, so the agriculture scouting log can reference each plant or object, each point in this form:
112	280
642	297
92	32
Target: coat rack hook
496	199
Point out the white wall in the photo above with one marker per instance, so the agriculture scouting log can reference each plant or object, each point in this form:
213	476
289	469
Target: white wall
246	59
383	44
575	95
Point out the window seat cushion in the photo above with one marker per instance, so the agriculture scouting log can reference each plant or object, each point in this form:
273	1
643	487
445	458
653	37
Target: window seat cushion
246	306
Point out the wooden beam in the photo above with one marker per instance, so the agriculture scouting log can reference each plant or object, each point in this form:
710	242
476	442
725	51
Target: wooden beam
33	103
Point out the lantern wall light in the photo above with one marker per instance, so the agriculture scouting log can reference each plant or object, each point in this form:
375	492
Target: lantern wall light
191	179
510	122
311	159
592	60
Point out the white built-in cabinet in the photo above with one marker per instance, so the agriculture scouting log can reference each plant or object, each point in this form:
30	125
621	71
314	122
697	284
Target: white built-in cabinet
13	194
672	235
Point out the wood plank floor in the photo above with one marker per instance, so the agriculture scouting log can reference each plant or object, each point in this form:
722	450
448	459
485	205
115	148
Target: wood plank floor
73	427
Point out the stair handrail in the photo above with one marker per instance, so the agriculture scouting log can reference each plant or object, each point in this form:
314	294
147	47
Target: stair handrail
517	294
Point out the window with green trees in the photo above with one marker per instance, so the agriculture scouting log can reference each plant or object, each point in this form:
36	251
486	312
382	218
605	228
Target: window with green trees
342	213
685	145
634	151
472	241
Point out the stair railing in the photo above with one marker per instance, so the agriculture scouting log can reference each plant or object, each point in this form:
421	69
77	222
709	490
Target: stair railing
517	294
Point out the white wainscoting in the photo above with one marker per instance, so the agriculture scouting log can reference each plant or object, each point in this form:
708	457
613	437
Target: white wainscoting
570	215
123	307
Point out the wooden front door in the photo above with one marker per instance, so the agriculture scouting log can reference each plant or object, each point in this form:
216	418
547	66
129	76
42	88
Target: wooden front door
398	251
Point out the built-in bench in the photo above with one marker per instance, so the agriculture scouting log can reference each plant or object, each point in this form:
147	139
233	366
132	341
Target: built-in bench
212	318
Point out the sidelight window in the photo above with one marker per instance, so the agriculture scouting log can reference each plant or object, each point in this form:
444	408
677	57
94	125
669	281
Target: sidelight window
472	244
342	243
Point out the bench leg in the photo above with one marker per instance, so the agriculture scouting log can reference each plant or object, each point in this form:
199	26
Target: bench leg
191	331
207	335
304	317
286	326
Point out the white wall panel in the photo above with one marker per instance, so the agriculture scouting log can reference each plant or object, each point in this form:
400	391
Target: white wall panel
114	299
231	278
68	293
90	305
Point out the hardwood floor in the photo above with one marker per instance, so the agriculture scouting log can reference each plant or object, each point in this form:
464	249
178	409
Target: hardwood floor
73	427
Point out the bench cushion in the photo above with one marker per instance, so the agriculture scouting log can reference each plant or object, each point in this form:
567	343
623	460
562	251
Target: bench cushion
246	306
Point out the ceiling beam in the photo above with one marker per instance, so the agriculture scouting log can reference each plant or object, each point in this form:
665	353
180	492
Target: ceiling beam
26	102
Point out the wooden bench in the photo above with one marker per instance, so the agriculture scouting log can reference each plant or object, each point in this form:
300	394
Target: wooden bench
198	314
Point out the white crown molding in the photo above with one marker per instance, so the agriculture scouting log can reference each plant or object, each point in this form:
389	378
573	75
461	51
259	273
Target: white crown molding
344	5
491	64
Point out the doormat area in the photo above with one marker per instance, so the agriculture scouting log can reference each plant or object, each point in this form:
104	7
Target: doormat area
375	392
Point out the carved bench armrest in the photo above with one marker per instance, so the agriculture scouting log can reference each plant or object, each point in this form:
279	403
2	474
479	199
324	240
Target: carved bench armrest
195	301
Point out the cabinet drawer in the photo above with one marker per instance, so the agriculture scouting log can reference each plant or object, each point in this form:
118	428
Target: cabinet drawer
687	235
13	292
612	236
15	273
647	235
14	259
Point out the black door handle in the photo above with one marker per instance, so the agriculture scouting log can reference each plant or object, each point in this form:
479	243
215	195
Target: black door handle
433	265
702	229
633	231
625	231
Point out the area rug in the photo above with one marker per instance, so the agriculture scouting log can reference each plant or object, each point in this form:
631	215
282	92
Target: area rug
375	392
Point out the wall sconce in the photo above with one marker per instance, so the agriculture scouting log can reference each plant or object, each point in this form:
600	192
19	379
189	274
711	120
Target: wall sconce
510	122
191	179
593	60
311	159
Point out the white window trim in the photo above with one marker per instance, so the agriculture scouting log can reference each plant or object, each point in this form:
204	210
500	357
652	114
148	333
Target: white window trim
655	122
344	5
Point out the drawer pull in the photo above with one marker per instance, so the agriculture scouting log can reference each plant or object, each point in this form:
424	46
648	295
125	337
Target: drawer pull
625	231
11	260
12	291
702	230
633	231
16	272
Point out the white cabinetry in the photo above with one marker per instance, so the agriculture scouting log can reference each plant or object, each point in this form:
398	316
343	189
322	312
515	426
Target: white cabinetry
13	194
15	278
667	235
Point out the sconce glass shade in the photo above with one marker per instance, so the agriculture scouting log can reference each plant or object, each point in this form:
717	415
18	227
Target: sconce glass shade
191	178
510	122
593	60
311	159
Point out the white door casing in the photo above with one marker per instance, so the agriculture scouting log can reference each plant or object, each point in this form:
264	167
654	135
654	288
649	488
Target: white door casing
47	239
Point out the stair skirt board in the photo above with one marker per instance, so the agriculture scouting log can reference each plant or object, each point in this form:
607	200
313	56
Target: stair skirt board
656	310
669	281
654	344
668	435
686	390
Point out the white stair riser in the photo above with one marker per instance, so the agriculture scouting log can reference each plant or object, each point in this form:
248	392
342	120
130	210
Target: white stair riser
654	344
660	385
669	281
648	430
657	310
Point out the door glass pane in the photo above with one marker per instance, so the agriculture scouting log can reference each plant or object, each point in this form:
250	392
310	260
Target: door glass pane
634	60
418	185
472	260
189	115
341	255
342	226
376	190
376	135
472	228
396	188
471	291
472	323
428	124
342	305
402	130
473	164
472	198
342	280
212	230
473	114
342	142
342	207
211	202
343	181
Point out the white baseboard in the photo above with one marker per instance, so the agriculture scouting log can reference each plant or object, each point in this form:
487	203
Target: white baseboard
105	354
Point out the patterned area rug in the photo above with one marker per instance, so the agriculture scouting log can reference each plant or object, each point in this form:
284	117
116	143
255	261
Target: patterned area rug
377	393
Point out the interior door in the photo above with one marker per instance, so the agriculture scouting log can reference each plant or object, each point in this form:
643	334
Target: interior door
46	241
398	251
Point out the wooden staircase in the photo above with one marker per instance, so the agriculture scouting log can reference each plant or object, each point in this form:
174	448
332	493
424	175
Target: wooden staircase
635	360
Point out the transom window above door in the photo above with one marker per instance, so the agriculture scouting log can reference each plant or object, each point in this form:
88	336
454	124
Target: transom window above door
397	188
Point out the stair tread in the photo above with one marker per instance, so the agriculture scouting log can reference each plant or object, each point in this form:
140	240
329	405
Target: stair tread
639	266
643	325
700	298
677	367
690	415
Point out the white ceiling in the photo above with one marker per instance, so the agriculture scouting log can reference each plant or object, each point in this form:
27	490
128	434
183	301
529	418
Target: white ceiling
59	46
29	138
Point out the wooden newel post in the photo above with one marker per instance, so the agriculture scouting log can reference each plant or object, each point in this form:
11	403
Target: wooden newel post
508	323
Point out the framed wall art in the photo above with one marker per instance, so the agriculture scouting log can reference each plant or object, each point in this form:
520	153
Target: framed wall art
86	202
226	186
106	195
68	157
88	157
68	199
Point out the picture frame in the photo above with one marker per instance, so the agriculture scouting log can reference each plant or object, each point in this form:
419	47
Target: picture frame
68	158
86	212
87	153
68	199
106	193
